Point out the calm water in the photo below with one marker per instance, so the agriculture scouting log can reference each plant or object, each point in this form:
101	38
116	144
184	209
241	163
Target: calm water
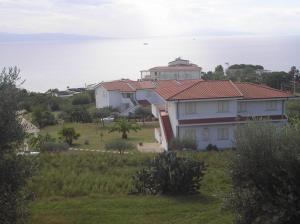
58	65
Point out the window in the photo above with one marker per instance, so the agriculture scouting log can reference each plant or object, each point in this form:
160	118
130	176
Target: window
223	106
190	133
271	105
242	106
223	133
190	108
205	134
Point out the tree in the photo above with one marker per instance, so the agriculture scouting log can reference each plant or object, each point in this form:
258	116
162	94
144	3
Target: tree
169	173
265	174
120	145
68	134
14	169
81	99
123	126
103	113
143	112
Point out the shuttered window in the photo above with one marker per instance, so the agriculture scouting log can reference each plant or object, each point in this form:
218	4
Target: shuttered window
223	133
223	106
190	108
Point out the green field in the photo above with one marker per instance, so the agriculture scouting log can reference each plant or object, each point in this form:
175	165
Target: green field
91	187
91	132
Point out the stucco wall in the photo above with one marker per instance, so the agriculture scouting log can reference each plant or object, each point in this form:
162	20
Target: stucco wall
102	97
258	108
213	135
172	110
166	75
207	109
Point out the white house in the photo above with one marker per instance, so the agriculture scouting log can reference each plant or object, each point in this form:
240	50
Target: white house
179	69
209	111
120	94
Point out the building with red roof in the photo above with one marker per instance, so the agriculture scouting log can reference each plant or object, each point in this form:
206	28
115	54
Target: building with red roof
206	111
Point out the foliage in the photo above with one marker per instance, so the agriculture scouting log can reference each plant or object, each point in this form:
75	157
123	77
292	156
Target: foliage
103	113
120	145
81	99
30	100
43	118
168	173
143	112
35	142
52	146
211	147
265	174
14	170
76	114
123	126
278	80
244	66
183	144
293	109
68	134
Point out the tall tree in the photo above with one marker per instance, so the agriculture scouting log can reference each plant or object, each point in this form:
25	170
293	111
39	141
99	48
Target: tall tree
14	169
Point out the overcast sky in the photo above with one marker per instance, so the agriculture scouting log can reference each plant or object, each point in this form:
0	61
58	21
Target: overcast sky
144	18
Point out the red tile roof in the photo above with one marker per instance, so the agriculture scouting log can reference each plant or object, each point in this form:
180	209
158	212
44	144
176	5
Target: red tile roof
208	90
229	119
168	88
255	91
126	85
166	126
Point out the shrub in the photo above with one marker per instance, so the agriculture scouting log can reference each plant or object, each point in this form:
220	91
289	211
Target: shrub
81	99
43	118
54	147
68	135
183	144
168	173
265	174
211	147
120	145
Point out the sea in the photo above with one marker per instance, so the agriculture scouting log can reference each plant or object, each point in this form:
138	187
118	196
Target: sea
60	64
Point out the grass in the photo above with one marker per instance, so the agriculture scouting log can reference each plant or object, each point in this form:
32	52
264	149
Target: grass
91	133
90	187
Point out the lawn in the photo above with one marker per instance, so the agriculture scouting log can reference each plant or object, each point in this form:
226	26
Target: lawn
91	132
91	187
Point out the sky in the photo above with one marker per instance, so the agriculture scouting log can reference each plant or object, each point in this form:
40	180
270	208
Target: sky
147	18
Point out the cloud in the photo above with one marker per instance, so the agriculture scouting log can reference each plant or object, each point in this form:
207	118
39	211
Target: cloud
136	18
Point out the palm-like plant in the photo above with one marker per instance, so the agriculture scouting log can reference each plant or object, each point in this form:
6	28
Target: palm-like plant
123	126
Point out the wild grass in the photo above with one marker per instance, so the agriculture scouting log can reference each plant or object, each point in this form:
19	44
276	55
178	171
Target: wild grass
92	131
91	187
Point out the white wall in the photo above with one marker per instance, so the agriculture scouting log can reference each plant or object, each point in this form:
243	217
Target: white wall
258	108
172	110
102	97
213	135
151	96
207	109
115	99
181	75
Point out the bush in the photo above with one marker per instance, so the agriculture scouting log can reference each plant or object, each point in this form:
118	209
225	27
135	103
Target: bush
183	144
120	145
265	174
81	99
68	135
43	118
168	173
54	147
80	115
212	147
